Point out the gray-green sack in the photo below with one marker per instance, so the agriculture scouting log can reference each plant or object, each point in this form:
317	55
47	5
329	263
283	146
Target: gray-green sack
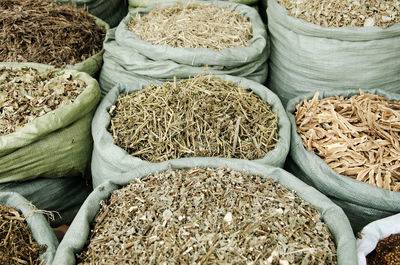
306	57
41	231
61	196
56	144
128	58
362	202
332	215
111	11
109	161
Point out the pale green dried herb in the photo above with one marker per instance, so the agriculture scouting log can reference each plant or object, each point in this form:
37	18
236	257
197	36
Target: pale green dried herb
207	216
202	116
27	93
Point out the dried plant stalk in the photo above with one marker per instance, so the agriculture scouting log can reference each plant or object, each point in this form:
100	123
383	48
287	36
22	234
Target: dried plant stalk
207	216
17	245
45	32
192	25
344	13
202	116
357	137
26	94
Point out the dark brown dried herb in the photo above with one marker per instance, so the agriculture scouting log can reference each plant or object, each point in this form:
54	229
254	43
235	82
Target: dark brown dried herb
27	93
42	31
207	216
201	116
17	245
387	252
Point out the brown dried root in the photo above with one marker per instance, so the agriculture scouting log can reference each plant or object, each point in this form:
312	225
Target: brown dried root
357	137
202	116
193	26
17	245
45	32
344	13
207	216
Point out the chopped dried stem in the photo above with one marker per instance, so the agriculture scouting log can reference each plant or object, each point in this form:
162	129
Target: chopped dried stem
194	117
190	25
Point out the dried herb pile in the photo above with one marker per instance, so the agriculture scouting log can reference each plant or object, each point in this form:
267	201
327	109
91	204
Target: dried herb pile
207	216
46	32
358	137
203	116
27	93
344	13
193	26
387	252
17	246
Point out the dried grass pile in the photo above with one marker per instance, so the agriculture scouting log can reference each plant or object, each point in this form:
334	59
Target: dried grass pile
27	93
203	116
358	137
17	245
190	25
344	13
207	216
45	32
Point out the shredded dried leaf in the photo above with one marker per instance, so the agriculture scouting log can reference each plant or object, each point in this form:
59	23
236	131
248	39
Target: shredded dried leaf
345	13
357	137
202	116
207	216
17	245
27	93
387	252
45	32
190	25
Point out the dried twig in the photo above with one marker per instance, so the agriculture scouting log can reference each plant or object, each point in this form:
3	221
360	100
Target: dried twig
194	117
193	26
42	31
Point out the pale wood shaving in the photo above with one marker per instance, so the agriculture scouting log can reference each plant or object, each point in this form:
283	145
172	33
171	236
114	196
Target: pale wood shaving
345	13
357	137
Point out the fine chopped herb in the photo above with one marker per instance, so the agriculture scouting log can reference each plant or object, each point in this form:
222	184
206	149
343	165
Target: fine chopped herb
207	216
387	252
43	31
344	13
201	116
27	93
358	137
17	245
193	25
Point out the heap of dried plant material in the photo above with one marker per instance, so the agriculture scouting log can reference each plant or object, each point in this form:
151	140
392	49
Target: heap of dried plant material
207	216
17	245
27	93
192	25
358	137
387	252
345	13
42	31
203	116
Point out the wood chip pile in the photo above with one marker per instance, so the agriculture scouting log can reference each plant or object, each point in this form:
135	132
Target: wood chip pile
202	116
27	93
193	26
207	216
358	137
345	13
42	31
